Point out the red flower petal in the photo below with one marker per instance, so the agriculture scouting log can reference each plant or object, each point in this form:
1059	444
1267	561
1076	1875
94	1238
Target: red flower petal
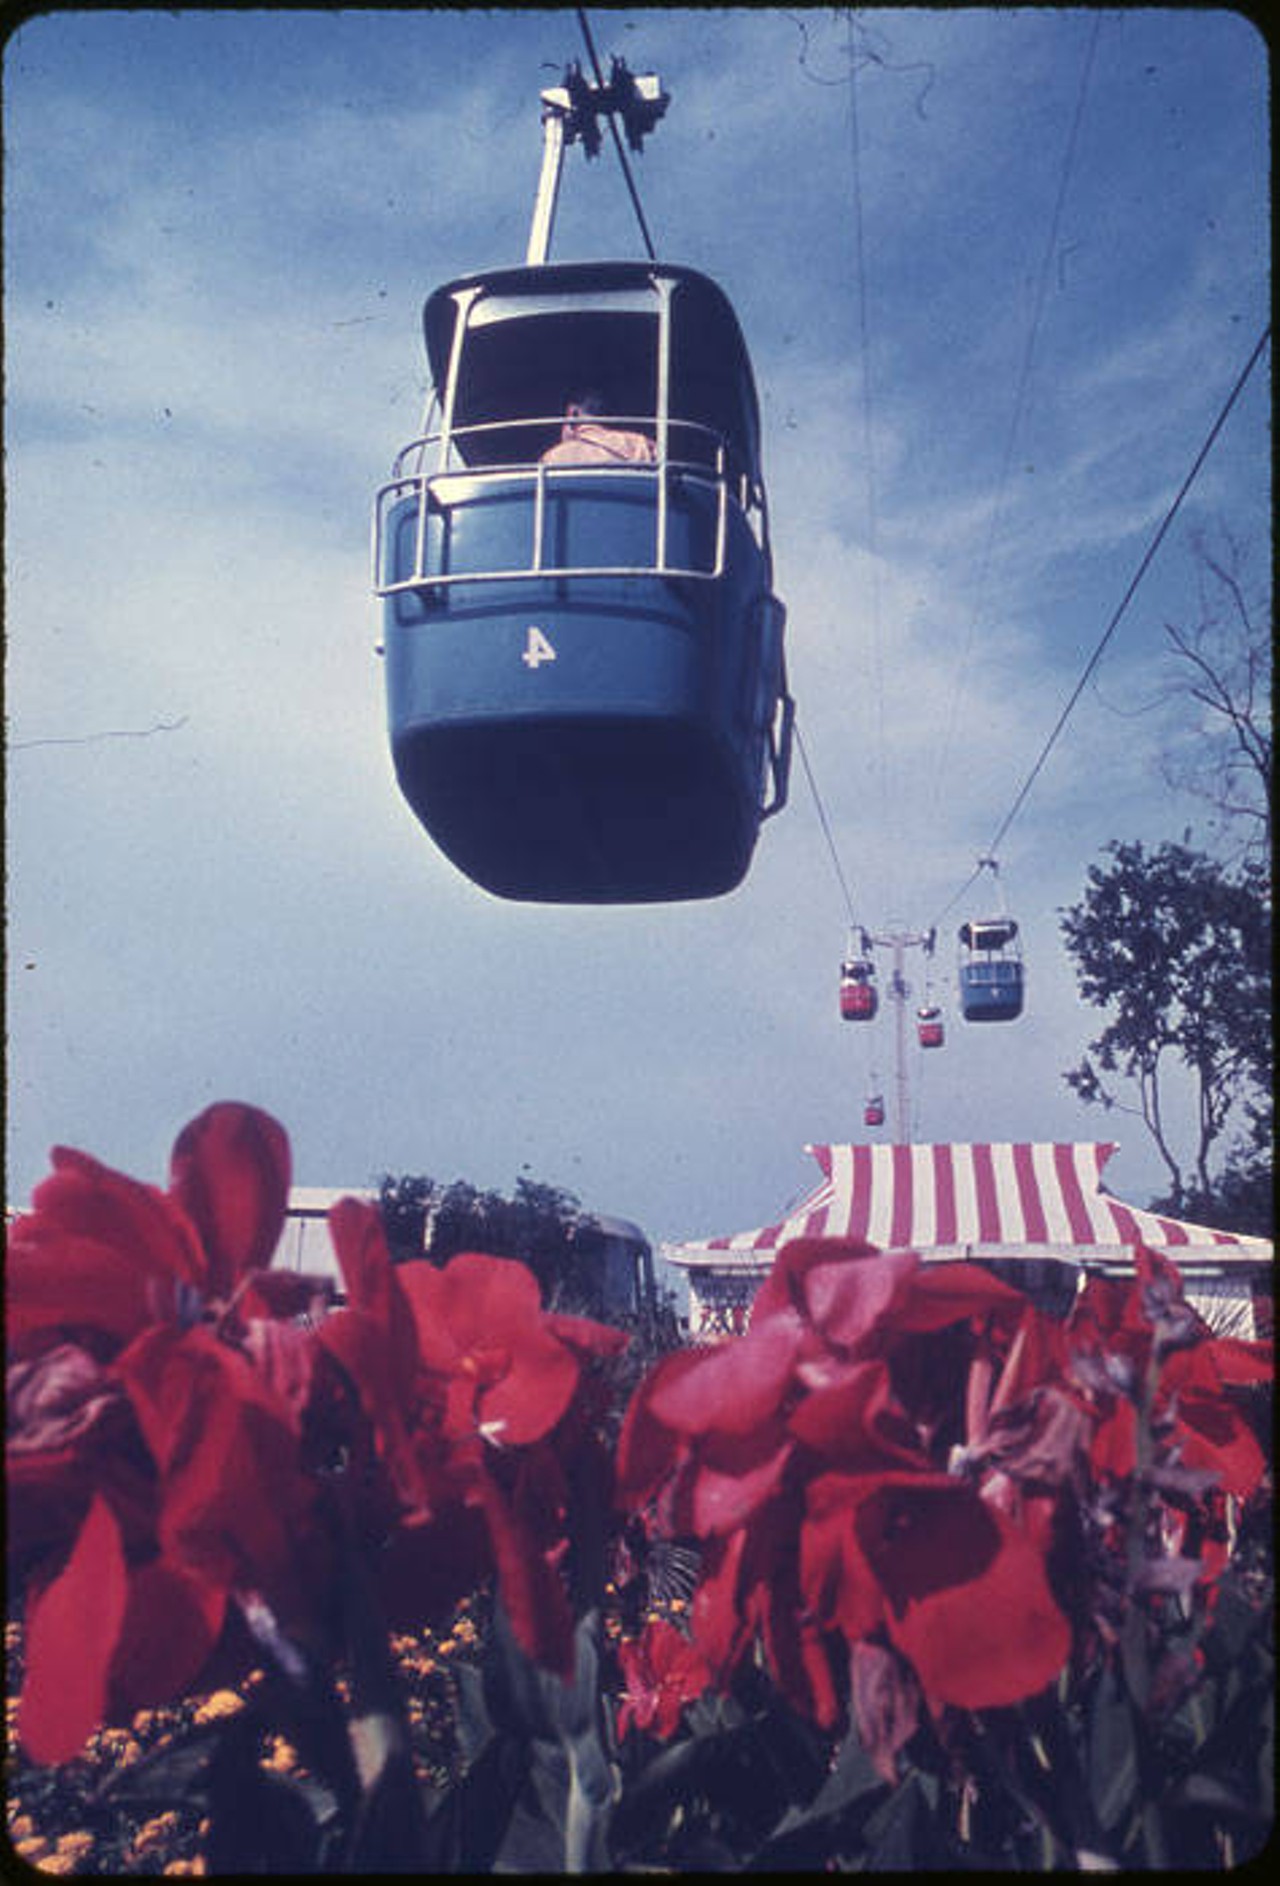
1234	1360
733	1387
98	1250
849	1298
85	1198
836	1580
839	1287
72	1630
376	1288
647	1448
719	1626
1114	1447
533	1392
783	1288
856	1423
924	1533
284	1294
475	1301
170	1627
55	1282
1213	1434
480	1320
661	1672
585	1337
731	1481
531	1588
230	1172
234	1501
969	1600
359	1345
941	1294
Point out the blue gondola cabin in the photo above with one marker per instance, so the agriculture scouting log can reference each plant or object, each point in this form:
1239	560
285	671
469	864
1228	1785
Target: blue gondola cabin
585	681
991	978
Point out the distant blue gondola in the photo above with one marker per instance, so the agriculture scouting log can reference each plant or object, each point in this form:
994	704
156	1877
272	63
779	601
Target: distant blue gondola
586	688
991	978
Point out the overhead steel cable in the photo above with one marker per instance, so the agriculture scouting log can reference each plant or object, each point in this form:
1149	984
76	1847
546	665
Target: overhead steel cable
1019	401
826	825
1118	613
632	192
868	429
1143	566
868	432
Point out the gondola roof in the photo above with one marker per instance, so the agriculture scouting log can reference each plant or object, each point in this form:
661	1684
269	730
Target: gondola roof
710	343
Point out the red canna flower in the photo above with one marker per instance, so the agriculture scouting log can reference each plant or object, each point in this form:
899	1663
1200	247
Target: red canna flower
823	1498
106	1256
467	1383
661	1672
1140	1342
152	1463
481	1326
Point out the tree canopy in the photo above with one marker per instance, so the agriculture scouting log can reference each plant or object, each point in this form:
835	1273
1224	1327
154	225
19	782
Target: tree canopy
1176	949
1220	666
543	1226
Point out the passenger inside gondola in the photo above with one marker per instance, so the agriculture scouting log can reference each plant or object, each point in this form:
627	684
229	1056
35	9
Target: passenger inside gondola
587	439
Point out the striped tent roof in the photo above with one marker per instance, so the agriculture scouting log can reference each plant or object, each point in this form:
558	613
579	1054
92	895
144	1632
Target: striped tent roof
1007	1195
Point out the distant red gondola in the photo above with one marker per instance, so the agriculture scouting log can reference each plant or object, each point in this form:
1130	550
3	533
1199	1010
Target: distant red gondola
929	1026
858	997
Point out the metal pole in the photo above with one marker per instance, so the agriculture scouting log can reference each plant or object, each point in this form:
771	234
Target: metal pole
555	108
900	999
899	941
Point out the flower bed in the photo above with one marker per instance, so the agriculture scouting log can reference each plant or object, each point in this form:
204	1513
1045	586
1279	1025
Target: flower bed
909	1574
112	1810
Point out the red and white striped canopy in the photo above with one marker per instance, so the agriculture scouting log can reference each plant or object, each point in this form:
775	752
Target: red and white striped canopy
1017	1195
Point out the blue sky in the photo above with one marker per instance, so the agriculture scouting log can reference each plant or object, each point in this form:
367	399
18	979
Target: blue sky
219	231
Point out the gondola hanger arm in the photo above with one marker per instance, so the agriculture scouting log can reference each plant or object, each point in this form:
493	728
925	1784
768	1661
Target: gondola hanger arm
571	112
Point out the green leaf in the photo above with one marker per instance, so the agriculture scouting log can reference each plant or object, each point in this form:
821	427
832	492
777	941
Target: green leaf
473	1724
390	1828
178	1771
1112	1757
907	1833
805	1834
469	1826
1209	1791
259	1823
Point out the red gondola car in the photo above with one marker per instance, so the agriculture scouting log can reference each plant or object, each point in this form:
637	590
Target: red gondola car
929	1026
858	997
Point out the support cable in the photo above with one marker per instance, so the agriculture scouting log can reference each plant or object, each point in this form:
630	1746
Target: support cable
868	429
1117	616
1019	401
826	827
1127	598
617	141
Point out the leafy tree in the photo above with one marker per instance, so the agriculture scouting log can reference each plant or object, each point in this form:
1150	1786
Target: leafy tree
542	1225
1177	951
537	1224
1221	664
